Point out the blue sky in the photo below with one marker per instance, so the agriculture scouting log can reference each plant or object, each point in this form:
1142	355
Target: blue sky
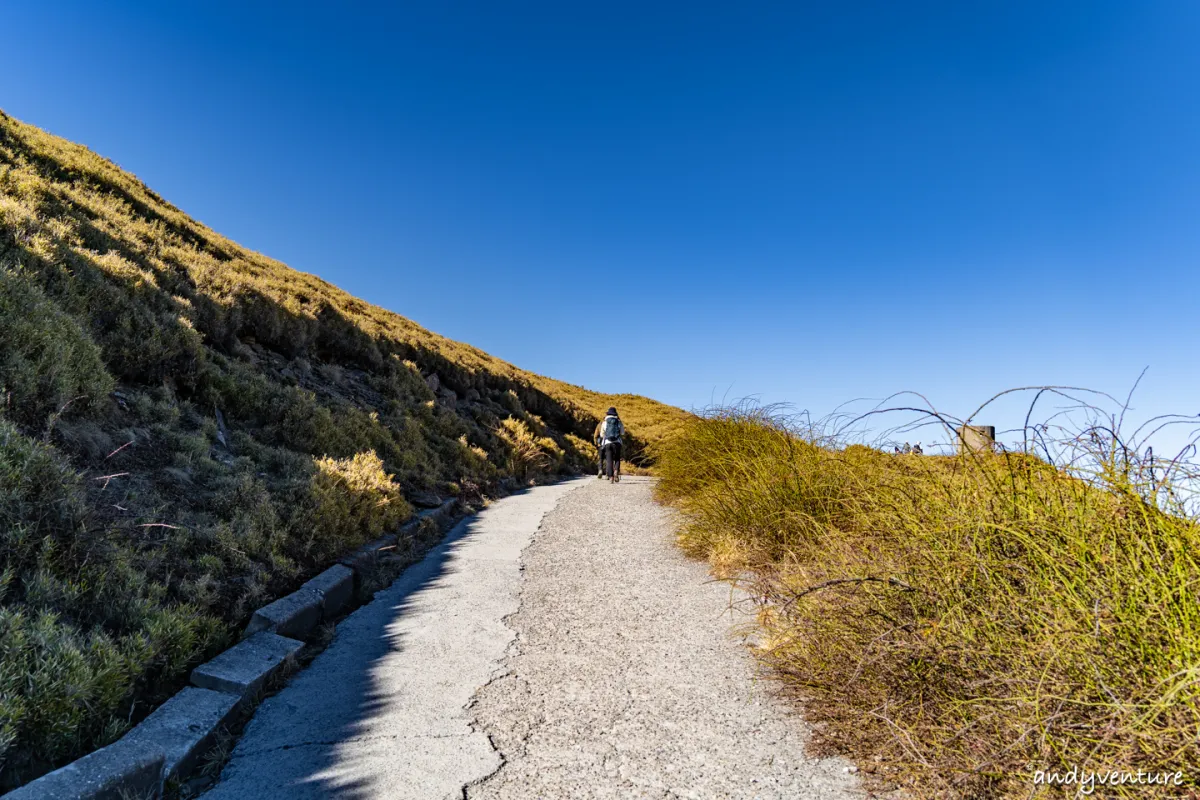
807	203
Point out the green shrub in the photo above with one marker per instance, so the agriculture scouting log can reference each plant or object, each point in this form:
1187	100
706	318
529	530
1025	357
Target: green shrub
353	499
80	629
525	454
47	359
40	498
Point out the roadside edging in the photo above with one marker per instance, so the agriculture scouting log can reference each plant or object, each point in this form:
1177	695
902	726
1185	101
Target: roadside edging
170	742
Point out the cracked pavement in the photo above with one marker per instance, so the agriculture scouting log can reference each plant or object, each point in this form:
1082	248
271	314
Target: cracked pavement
381	713
595	661
626	678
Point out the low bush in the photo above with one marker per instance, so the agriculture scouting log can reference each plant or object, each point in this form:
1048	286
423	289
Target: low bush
354	499
47	359
526	453
81	630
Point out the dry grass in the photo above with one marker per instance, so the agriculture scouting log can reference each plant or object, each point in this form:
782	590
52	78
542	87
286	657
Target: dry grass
189	429
958	623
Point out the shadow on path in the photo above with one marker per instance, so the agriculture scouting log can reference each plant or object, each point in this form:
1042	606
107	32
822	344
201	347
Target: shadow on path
380	712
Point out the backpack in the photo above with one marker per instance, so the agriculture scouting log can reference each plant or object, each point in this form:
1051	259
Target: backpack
612	428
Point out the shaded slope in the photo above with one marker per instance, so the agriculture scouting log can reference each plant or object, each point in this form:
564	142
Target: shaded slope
189	428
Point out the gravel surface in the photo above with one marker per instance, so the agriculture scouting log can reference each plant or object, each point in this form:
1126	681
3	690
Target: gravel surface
625	679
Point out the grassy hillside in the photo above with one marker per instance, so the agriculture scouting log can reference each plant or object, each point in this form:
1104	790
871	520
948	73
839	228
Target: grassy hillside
960	623
188	429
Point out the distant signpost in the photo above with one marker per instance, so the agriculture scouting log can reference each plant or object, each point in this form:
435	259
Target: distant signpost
976	438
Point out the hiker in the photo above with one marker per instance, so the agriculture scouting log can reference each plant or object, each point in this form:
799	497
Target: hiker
917	449
608	434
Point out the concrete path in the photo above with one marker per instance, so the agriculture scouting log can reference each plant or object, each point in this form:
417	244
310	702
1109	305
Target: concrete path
594	662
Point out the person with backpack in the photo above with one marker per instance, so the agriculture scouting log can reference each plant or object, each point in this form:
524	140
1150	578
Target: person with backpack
608	434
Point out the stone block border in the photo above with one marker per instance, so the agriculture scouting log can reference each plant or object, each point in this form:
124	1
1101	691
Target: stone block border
169	743
247	666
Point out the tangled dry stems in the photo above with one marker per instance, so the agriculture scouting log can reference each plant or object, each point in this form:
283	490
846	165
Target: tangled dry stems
958	622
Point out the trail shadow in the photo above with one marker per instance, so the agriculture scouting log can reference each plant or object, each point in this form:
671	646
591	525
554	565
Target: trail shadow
310	740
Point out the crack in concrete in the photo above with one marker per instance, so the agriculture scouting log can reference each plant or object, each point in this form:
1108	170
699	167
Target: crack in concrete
622	680
352	740
504	670
500	766
388	707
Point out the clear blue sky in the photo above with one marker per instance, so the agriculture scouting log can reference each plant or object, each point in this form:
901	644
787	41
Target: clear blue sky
803	202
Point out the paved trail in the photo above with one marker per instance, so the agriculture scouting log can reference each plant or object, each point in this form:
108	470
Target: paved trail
582	658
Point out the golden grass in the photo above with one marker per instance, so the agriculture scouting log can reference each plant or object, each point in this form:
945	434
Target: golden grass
189	429
958	623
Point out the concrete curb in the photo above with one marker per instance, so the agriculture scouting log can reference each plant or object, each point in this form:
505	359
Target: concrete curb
185	727
123	769
291	615
171	741
364	557
360	559
244	668
336	587
323	598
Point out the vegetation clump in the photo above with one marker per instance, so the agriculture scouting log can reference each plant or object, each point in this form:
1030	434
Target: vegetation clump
189	429
960	622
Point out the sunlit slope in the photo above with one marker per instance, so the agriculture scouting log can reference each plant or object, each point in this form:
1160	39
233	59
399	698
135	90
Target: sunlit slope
64	202
189	428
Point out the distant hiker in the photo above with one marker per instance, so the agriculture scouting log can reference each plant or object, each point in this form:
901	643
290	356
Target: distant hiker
597	438
608	443
917	449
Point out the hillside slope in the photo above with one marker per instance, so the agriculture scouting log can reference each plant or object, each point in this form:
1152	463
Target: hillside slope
188	428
